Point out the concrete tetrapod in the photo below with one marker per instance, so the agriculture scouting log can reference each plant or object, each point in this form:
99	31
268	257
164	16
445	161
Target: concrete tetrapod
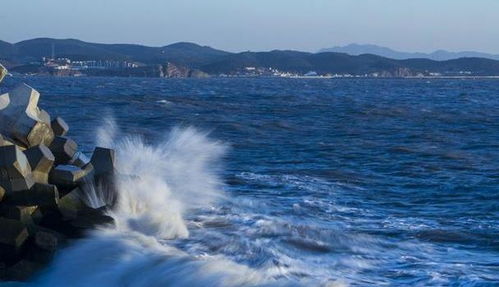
12	237
21	119
15	171
39	195
63	149
41	160
70	176
3	72
59	126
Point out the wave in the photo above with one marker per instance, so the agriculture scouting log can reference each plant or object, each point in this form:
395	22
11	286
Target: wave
167	180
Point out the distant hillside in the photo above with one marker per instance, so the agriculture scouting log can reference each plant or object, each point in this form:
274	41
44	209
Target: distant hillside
440	55
34	50
340	63
193	59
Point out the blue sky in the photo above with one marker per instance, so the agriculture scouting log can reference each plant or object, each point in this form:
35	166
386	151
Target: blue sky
238	25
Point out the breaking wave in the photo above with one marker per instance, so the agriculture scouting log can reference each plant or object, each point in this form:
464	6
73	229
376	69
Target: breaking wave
158	185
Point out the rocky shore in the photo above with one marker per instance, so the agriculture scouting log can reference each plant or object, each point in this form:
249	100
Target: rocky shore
47	185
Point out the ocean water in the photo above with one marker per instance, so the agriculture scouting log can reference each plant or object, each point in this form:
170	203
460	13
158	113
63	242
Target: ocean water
287	182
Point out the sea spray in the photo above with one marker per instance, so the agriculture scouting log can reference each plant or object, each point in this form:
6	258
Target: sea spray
157	186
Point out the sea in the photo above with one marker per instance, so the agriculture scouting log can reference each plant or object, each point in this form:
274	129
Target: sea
286	182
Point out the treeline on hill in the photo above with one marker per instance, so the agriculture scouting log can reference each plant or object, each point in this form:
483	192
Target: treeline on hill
18	56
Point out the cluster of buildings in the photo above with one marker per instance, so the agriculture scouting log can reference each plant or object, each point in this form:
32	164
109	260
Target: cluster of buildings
60	64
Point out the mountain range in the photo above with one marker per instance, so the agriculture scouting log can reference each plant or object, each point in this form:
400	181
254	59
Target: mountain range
26	55
439	55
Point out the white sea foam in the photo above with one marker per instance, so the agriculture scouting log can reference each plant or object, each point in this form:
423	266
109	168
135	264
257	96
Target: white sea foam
166	181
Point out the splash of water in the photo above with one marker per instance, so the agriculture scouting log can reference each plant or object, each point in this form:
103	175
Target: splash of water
157	186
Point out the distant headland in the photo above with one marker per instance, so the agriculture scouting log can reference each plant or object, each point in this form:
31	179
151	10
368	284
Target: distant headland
70	57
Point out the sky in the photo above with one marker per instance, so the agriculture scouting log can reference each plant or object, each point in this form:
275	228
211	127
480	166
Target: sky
260	25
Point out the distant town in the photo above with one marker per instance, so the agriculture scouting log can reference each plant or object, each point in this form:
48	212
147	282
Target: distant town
52	57
49	66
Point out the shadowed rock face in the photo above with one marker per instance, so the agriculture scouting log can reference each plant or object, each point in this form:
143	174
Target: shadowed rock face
43	184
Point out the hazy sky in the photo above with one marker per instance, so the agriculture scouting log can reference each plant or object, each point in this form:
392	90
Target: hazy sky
237	25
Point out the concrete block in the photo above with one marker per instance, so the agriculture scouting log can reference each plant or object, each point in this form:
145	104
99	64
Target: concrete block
12	236
42	245
23	270
41	160
67	176
21	119
44	116
20	213
90	218
5	141
15	171
70	204
63	149
59	126
103	160
39	195
79	159
3	72
46	240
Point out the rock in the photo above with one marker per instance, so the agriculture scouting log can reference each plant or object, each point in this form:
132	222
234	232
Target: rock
59	126
20	117
46	240
103	161
70	204
39	195
41	160
12	236
37	216
63	149
20	213
4	141
15	171
43	247
44	116
79	159
2	193
69	176
3	72
89	218
22	270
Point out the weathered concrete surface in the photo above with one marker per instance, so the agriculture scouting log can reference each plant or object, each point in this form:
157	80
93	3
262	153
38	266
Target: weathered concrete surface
5	141
103	161
79	159
44	116
21	119
63	149
59	126
70	176
12	237
15	171
41	160
20	213
39	195
3	72
70	204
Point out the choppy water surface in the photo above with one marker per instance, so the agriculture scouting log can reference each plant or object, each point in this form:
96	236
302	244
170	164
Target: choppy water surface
327	182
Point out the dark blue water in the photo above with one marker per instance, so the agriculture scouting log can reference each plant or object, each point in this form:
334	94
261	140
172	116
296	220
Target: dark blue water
355	182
